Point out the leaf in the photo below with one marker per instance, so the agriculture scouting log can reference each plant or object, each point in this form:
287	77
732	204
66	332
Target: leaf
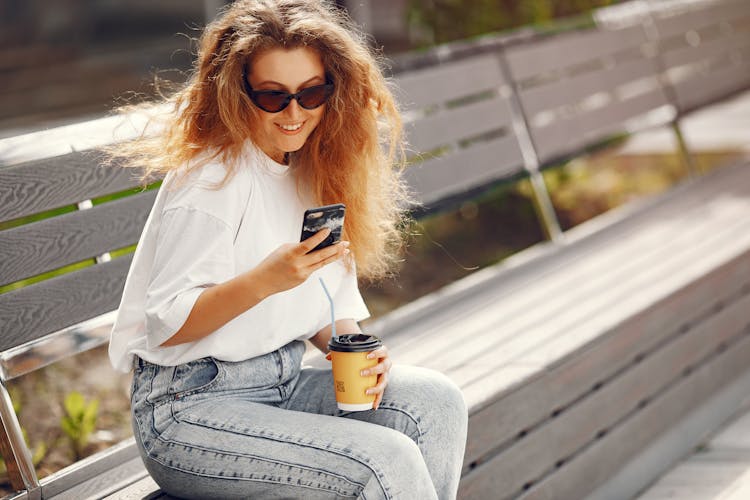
74	403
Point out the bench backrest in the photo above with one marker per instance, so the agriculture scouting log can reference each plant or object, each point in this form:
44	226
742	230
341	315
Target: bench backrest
55	214
705	52
459	127
577	89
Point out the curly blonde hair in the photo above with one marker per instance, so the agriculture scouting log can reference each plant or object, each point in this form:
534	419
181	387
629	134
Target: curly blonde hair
354	156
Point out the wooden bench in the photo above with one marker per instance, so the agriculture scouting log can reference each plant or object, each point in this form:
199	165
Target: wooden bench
576	356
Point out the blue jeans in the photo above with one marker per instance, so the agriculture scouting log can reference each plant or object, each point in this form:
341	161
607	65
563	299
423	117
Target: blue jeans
265	428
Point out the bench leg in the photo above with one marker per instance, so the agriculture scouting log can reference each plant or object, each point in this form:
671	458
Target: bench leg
14	450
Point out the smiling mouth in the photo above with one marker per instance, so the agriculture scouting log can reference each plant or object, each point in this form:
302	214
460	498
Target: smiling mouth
290	128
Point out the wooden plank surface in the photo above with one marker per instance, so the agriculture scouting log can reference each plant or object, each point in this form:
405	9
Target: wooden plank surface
45	307
49	183
471	167
514	299
703	88
603	457
455	124
560	384
52	243
568	134
449	81
559	300
570	91
573	428
565	51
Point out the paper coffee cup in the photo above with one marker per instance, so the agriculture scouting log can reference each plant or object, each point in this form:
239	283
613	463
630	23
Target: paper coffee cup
349	358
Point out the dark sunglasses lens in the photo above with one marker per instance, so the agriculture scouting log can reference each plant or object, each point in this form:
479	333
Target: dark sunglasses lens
313	97
271	101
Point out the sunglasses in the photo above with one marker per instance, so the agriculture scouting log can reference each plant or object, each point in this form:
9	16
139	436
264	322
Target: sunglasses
275	101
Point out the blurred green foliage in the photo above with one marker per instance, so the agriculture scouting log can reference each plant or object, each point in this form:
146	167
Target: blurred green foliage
79	421
449	20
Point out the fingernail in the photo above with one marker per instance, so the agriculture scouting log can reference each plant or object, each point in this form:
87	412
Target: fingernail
371	355
347	251
364	373
345	243
369	392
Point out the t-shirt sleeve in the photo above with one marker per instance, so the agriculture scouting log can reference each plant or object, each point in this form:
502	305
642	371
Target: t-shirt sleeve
348	300
194	251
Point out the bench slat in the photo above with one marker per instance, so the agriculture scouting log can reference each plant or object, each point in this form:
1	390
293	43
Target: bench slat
45	307
567	92
564	136
50	183
705	88
453	125
73	237
706	51
443	83
677	25
565	51
114	464
466	169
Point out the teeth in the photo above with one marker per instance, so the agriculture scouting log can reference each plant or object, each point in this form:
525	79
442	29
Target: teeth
291	127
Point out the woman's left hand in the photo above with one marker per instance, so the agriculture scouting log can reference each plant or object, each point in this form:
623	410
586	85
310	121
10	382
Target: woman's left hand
381	369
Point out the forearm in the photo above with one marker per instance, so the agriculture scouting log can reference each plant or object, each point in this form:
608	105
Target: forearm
218	305
320	339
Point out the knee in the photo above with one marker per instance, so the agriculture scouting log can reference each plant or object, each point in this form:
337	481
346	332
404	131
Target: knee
445	398
453	412
397	469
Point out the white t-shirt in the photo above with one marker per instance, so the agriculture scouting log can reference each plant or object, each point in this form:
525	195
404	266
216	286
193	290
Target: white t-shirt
197	236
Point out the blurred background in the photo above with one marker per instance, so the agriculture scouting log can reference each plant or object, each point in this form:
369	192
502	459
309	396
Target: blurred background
64	61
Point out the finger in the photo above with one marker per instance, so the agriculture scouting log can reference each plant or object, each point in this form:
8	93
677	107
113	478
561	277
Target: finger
376	403
378	390
338	253
379	353
383	367
380	387
314	240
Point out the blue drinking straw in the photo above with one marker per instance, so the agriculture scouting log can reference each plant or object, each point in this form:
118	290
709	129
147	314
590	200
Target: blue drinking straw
330	300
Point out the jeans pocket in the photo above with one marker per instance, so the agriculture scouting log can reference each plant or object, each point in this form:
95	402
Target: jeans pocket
194	376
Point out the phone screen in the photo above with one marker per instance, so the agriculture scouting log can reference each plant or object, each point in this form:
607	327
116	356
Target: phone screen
330	216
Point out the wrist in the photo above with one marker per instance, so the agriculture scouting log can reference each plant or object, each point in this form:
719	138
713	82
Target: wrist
256	287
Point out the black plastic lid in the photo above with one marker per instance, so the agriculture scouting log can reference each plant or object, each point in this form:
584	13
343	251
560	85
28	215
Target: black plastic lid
354	342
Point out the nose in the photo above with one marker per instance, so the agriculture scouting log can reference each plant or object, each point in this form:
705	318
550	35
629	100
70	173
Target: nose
294	110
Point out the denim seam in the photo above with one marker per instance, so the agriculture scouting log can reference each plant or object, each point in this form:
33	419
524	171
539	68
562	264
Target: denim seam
196	390
324	472
191	446
361	460
256	480
405	412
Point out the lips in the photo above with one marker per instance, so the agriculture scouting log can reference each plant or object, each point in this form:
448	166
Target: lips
290	128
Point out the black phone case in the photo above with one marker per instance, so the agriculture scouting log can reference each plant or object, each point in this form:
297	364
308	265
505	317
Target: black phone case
331	216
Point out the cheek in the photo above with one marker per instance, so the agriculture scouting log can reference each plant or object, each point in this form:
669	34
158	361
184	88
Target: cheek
317	116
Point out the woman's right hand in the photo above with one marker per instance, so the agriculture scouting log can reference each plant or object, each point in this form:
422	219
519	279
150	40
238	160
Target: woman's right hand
291	264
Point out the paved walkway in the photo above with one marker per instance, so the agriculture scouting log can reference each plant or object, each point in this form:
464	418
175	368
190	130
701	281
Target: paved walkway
720	470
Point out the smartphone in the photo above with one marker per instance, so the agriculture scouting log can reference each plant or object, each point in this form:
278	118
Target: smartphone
330	216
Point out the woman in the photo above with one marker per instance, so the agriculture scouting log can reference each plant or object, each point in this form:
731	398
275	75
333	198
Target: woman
286	110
